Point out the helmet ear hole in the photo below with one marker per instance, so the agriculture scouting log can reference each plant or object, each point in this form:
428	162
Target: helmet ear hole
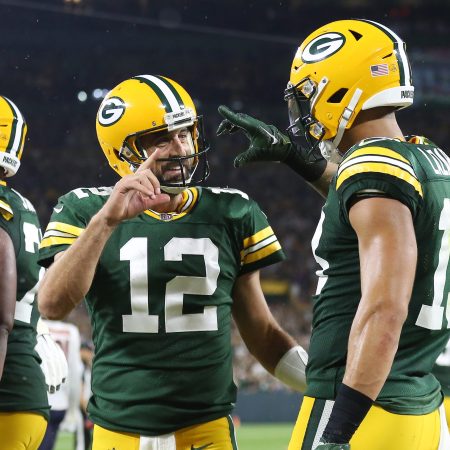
338	96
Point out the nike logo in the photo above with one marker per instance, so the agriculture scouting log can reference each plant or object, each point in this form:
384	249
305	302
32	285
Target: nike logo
202	447
274	139
58	210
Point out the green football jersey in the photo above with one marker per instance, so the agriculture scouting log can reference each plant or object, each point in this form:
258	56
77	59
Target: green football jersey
160	305
22	387
441	370
416	173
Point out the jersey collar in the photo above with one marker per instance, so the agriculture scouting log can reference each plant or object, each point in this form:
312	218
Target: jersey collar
188	201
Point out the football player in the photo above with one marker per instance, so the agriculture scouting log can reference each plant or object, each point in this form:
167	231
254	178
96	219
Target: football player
380	310
24	408
164	265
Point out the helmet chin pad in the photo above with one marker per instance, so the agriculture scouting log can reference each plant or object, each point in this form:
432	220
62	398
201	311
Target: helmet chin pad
173	190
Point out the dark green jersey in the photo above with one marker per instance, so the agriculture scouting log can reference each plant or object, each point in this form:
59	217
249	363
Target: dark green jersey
416	173
441	370
22	387
160	305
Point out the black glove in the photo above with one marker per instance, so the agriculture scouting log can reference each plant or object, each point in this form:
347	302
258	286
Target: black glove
267	143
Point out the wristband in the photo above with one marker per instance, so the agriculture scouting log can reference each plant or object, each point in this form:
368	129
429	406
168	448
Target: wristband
291	368
349	410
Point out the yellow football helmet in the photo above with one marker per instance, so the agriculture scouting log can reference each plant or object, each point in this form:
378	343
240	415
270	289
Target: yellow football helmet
149	104
340	69
13	130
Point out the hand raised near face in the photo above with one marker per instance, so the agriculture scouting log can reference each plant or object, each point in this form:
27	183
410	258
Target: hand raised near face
134	194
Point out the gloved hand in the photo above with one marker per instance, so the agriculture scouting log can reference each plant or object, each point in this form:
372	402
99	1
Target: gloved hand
267	143
329	446
54	363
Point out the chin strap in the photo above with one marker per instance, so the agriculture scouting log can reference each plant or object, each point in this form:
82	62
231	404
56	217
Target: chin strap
346	115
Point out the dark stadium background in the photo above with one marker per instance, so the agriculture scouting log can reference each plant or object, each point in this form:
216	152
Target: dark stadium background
229	52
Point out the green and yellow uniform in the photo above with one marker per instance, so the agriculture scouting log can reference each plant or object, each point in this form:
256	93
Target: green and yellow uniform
22	387
416	173
160	305
441	371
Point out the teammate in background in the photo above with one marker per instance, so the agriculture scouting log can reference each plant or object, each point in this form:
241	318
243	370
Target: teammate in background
164	265
442	372
382	242
24	407
65	403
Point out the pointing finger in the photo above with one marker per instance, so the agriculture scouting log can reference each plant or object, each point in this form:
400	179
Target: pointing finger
149	161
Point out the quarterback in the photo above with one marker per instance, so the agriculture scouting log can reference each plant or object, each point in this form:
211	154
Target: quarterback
24	409
164	265
380	316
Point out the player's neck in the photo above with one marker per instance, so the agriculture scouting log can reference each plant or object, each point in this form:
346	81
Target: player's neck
371	123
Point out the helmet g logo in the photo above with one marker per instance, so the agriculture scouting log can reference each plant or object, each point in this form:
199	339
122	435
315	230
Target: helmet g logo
111	111
322	47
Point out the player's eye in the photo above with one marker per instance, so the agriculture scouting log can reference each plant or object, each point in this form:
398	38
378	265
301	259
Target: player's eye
162	143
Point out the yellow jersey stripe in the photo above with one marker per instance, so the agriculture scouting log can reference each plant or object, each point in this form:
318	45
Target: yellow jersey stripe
55	240
262	253
367	151
64	227
260	244
6	210
257	237
379	168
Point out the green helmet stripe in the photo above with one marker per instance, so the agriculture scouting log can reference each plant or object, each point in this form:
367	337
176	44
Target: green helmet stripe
172	88
402	60
17	129
155	88
162	90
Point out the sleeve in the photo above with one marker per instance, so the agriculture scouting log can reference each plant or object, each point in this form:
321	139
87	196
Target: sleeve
6	214
6	211
378	171
65	225
260	246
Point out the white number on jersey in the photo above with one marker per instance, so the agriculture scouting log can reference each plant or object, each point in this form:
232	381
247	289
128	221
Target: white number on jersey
324	264
431	317
139	321
216	190
33	236
84	192
24	307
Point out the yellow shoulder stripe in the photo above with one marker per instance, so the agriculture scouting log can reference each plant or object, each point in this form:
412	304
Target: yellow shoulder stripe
56	240
379	168
262	253
257	237
6	210
366	151
64	227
